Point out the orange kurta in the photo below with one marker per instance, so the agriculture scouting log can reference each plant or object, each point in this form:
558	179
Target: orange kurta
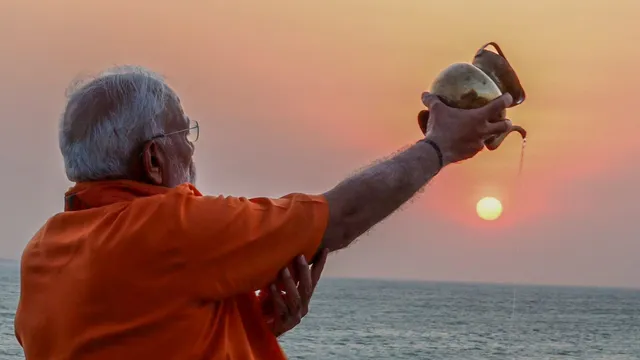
143	272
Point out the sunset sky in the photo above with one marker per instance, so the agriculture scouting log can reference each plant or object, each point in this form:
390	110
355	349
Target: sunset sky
296	95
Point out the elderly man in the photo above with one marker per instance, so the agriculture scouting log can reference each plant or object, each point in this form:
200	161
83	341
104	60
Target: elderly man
140	265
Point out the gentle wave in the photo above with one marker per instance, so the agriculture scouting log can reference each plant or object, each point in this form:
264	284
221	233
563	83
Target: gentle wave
366	319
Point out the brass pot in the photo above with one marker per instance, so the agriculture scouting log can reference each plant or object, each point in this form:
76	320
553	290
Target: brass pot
471	86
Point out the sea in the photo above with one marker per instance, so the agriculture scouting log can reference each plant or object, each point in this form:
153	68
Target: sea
375	319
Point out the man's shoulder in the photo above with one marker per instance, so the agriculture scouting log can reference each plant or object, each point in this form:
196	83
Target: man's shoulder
135	229
185	189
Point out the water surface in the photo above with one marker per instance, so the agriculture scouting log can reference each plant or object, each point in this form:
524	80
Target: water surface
369	319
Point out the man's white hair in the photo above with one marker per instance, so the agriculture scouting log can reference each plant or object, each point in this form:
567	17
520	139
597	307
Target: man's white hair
108	118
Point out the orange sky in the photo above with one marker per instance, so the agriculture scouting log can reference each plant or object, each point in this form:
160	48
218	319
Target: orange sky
295	95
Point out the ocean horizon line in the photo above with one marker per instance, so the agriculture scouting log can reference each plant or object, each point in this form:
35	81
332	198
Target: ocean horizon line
16	262
485	283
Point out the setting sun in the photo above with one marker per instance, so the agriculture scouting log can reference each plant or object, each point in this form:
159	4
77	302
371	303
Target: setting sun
489	208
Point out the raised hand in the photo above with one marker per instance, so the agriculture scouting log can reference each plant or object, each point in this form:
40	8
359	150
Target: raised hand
461	134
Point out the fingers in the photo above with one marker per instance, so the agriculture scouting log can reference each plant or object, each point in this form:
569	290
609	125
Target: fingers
430	100
293	304
318	266
498	127
495	107
278	301
499	117
305	285
292	298
280	320
494	112
279	310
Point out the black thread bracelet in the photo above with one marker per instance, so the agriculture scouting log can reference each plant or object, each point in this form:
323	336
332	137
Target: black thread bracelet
438	152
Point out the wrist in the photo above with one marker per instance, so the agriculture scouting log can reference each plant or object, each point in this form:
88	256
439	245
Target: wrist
442	153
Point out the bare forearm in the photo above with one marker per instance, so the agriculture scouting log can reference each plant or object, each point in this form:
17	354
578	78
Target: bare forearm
360	202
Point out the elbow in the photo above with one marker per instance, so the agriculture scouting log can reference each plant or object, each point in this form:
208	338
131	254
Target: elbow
335	239
340	231
347	220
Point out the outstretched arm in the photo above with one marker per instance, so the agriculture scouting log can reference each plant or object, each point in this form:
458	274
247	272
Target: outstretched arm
235	245
360	202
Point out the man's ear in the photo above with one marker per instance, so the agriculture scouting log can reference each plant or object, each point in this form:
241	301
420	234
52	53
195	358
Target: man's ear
154	163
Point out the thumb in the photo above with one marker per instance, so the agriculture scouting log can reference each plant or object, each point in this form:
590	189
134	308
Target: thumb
317	267
423	118
430	100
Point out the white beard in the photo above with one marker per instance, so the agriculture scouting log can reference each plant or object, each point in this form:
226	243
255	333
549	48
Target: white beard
186	172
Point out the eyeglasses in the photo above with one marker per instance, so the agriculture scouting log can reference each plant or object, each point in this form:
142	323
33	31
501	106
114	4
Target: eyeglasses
192	136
